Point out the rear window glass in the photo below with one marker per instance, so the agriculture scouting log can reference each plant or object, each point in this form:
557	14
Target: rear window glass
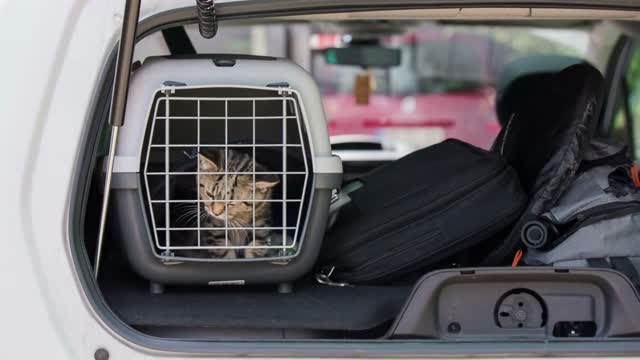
444	86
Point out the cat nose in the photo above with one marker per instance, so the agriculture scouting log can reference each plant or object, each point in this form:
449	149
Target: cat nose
218	208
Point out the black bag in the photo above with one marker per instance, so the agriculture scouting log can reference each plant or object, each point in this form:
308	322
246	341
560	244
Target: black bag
597	219
419	210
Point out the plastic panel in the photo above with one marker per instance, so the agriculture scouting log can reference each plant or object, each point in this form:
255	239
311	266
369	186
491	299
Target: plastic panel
573	301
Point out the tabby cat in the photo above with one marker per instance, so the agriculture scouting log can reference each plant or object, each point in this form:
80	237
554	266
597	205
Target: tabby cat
238	213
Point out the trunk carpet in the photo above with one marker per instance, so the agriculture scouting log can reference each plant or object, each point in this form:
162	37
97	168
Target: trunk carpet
310	306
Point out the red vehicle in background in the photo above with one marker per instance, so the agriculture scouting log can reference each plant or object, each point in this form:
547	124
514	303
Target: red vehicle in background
444	87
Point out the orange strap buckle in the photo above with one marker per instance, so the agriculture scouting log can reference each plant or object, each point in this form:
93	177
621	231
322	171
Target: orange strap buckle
517	257
635	176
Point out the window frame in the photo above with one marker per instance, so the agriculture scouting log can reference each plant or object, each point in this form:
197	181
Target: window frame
615	75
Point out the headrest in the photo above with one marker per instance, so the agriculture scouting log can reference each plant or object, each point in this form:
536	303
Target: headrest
549	129
525	77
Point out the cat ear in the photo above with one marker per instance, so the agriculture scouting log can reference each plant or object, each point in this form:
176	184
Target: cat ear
266	181
206	164
264	185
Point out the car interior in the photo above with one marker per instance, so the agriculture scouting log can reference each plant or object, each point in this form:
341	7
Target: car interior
366	88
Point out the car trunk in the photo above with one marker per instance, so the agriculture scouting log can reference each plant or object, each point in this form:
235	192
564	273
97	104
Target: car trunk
418	307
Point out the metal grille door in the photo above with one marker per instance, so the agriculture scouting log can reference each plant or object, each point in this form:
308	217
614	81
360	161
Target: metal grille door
253	137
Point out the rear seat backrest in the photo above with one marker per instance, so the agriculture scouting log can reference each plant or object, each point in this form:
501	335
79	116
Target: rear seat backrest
521	86
518	77
545	139
520	103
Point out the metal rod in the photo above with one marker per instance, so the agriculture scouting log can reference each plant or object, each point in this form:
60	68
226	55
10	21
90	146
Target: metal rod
229	228
123	63
117	109
105	199
226	171
222	145
187	201
284	174
198	178
220	117
167	195
253	188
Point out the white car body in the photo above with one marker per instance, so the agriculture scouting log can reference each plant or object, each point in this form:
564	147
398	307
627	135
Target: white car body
54	54
57	51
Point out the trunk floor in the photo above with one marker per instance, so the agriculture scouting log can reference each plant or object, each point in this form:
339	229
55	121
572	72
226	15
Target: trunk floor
310	306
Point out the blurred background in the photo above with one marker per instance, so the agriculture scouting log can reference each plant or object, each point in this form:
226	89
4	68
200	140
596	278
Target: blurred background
443	85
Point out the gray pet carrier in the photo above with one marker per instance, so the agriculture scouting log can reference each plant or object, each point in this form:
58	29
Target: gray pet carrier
223	173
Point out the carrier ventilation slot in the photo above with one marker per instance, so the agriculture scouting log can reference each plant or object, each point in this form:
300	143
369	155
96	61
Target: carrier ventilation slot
226	174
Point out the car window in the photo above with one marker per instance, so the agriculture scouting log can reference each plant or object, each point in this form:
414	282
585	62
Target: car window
444	86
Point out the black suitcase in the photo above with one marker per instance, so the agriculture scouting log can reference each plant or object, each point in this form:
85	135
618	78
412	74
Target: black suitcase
419	210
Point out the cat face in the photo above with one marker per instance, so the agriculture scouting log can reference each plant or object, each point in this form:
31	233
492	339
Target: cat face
238	210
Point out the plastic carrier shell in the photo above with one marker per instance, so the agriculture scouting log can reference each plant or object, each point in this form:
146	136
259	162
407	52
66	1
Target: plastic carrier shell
263	113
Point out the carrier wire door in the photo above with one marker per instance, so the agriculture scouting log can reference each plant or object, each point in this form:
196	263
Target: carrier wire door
250	134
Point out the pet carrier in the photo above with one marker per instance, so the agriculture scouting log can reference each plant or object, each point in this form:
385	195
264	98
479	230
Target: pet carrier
223	173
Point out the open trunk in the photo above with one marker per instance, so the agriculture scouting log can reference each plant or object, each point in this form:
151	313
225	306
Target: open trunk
226	300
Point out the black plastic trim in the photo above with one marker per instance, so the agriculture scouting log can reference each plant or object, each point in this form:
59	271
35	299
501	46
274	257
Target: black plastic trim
216	57
178	41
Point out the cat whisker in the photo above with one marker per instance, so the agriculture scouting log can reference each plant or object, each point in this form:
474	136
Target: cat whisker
186	213
187	217
183	205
